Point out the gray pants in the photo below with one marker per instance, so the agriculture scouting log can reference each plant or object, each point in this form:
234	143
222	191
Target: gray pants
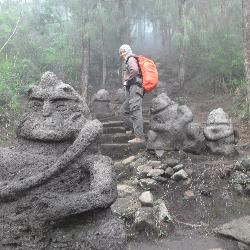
131	110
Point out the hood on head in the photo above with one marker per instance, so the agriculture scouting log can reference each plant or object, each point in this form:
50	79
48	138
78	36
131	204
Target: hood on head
127	49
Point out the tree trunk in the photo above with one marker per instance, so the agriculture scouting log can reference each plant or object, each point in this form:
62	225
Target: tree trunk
181	73
85	53
85	71
246	29
169	39
124	29
104	61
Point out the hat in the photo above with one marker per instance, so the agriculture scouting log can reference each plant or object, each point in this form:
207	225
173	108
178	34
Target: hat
125	49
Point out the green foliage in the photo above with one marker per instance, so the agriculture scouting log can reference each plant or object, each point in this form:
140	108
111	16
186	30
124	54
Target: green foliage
52	33
240	107
16	77
237	84
225	61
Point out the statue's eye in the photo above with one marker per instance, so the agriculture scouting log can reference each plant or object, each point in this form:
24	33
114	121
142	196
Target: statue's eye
61	107
36	104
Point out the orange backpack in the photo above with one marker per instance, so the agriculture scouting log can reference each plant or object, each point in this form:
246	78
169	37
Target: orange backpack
148	71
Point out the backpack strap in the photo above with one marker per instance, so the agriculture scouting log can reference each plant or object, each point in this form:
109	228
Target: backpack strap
136	57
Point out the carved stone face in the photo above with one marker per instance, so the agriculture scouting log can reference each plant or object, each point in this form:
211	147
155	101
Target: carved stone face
55	111
218	116
160	103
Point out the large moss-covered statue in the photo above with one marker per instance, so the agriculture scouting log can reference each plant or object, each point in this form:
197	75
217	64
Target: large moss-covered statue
55	190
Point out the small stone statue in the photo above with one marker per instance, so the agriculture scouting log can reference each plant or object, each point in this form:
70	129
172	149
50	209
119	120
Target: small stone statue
101	104
55	190
171	127
161	88
118	100
220	136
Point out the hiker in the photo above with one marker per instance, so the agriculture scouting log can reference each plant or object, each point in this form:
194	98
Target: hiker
131	109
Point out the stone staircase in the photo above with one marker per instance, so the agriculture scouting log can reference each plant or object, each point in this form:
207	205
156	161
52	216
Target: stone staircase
114	141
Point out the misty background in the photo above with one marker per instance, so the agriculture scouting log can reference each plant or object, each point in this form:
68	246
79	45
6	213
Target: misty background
199	41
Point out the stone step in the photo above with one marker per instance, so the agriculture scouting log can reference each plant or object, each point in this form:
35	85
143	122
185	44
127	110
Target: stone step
116	138
117	119
103	117
120	123
112	124
121	150
113	130
109	119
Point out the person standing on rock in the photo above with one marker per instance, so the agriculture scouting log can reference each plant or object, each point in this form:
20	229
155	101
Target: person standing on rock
131	109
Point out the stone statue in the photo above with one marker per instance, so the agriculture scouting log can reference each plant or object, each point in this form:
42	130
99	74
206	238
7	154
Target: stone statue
118	100
161	88
101	104
55	190
171	127
220	136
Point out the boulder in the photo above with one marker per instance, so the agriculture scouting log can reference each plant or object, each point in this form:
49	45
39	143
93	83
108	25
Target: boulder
154	164
240	178
238	229
125	208
155	172
125	190
128	160
189	195
148	184
180	175
142	171
146	199
169	172
170	163
153	220
178	167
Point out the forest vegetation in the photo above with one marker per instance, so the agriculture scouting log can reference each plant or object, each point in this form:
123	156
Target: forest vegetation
79	40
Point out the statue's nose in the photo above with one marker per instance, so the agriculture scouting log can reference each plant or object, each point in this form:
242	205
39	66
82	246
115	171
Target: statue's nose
46	109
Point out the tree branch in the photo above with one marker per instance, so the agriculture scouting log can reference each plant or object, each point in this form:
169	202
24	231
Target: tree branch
11	35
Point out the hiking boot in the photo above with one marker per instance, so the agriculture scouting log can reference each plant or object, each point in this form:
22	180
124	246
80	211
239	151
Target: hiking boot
136	140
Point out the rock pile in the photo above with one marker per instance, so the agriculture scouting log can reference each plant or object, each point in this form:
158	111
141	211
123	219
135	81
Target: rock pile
241	177
136	203
141	212
153	219
150	174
